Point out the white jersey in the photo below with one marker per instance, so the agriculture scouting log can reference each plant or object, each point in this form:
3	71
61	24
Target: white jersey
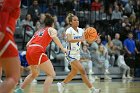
74	47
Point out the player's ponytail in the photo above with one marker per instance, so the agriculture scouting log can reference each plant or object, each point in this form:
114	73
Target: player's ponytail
69	18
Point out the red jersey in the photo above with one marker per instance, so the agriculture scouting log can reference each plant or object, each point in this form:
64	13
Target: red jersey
35	54
44	36
9	13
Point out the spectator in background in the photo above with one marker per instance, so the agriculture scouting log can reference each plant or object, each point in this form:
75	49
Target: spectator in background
26	3
137	8
132	19
27	25
131	51
124	2
128	9
61	31
95	8
111	52
117	44
121	63
126	28
56	23
118	26
103	61
103	15
116	13
93	51
84	4
68	6
137	31
40	23
129	45
86	61
96	5
35	11
51	10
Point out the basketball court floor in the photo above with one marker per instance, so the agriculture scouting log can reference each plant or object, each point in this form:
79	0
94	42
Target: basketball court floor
77	86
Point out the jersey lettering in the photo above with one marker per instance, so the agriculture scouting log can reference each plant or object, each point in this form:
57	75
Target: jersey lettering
40	33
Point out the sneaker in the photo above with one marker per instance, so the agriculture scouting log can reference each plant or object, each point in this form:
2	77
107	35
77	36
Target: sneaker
67	69
97	78
123	77
34	81
60	87
94	90
18	90
129	77
107	78
90	72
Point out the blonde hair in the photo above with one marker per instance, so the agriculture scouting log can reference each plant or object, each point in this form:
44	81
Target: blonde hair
69	18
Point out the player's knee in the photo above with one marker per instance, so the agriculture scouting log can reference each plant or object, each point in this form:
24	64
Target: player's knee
13	80
52	75
35	74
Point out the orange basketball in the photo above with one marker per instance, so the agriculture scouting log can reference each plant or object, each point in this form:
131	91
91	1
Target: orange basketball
90	34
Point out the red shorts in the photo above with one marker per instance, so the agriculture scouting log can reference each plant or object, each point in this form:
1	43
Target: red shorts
35	55
8	47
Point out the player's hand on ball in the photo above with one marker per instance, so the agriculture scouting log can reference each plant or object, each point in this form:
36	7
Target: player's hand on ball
82	39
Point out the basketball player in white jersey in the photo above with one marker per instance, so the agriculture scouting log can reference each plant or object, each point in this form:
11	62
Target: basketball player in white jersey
74	38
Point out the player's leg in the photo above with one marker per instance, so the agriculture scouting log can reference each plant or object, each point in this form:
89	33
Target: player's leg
47	67
11	67
76	64
70	76
0	72
34	73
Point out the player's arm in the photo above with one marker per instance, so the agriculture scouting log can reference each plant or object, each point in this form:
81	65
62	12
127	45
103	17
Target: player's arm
53	34
70	39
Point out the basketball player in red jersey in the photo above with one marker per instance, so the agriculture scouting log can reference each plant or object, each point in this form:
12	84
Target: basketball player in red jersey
9	13
36	57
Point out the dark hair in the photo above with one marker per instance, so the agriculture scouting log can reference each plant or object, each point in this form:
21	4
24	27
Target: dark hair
49	20
122	52
27	15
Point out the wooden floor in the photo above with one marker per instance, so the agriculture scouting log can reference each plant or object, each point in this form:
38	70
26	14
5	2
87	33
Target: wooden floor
113	86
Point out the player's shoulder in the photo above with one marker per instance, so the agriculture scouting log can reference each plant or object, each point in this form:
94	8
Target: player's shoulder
80	30
69	30
51	29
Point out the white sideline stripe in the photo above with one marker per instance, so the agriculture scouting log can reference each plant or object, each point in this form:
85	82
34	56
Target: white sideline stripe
6	46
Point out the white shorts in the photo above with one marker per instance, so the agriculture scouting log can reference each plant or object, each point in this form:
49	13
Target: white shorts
71	58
